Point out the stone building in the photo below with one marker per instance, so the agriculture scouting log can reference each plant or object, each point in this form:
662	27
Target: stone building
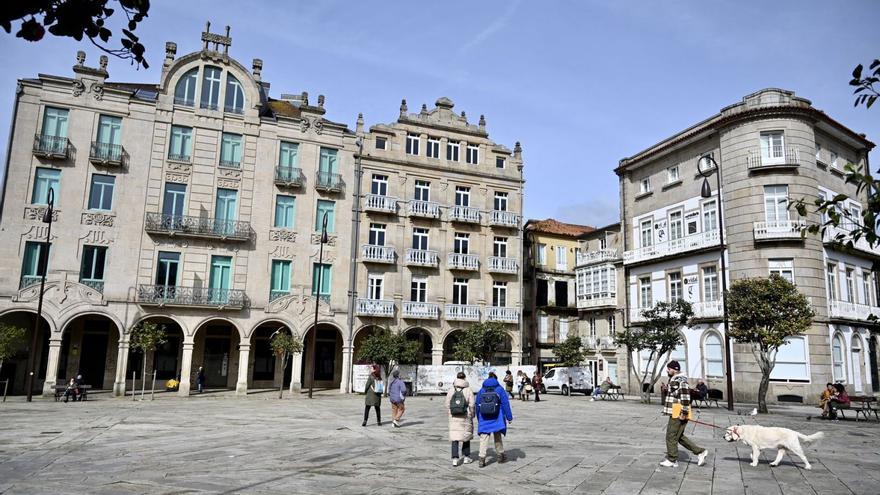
197	203
770	147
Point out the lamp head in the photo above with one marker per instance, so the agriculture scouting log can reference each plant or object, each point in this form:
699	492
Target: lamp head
50	202
706	164
706	190
324	236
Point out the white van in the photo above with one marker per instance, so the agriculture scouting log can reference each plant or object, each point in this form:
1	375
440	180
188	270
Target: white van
568	380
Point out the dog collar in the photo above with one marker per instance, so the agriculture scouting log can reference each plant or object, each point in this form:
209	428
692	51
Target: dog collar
734	432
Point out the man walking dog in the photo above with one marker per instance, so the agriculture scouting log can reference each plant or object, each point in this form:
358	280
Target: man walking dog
678	408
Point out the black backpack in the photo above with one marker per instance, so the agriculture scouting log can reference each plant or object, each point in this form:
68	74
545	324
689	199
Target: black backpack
490	403
458	406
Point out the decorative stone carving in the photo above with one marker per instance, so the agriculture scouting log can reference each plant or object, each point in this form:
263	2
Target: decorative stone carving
329	254
228	183
179	167
444	186
38	233
78	87
299	305
331	238
170	52
257	67
282	235
283	252
319	126
37	212
99	219
80	58
102	62
181	243
304	125
320	101
98	90
95	236
230	172
217	39
175	177
63	293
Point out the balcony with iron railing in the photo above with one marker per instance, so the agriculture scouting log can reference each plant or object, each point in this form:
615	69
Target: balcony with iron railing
421	310
501	314
52	147
424	209
840	237
779	230
498	264
106	153
851	311
201	227
380	203
236	164
459	261
597	256
462	312
422	257
597	301
780	157
275	294
693	242
179	157
289	176
500	218
96	285
29	280
375	307
466	214
377	254
329	182
176	295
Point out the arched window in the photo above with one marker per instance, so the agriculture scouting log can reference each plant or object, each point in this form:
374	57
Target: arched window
680	354
234	95
838	369
857	362
185	91
714	355
210	87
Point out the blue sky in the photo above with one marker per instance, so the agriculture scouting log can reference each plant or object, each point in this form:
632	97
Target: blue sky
580	84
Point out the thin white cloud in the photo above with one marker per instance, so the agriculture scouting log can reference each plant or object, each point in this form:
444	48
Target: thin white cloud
595	212
497	25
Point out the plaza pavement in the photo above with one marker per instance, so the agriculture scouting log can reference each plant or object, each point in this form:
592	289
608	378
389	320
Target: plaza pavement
219	443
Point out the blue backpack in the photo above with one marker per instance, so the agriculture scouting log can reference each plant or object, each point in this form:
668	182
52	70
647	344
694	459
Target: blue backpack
490	403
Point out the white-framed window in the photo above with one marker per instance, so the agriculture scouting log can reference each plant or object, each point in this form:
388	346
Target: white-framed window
818	152
499	294
412	144
646	232
379	185
500	162
866	288
675	287
592	327
499	247
838	364
676	230
855	216
234	95
101	192
542	328
680	354
603	243
419	289
772	148
460	291
561	258
691	224
423	190
791	361
672	174
645	185
420	238
834	158
784	267
596	282
381	143
473	154
500	203
713	353
850	285
452	150
612	325
710	283
710	215
377	234
776	203
210	87
433	148
461	243
284	211
374	286
646	300
185	91
462	196
541	253
831	274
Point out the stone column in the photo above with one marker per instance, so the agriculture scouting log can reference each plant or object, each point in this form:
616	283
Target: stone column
296	373
186	369
244	353
345	383
51	367
437	356
121	367
516	356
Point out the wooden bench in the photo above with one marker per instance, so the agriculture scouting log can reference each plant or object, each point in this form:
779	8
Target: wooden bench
613	393
860	404
61	388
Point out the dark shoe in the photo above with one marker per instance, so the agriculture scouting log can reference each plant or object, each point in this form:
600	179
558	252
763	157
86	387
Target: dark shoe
482	462
502	458
364	423
379	423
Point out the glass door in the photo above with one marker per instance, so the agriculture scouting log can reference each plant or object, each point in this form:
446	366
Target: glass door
54	130
173	205
221	270
224	222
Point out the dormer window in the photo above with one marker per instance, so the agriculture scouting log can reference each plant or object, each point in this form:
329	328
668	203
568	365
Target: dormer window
234	95
210	88
185	91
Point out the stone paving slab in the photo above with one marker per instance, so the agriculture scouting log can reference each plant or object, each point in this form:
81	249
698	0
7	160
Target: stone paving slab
224	444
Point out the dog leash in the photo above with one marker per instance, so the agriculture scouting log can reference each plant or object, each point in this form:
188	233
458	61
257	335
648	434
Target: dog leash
706	424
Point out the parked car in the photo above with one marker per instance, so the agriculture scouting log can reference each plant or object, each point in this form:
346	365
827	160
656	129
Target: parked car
568	380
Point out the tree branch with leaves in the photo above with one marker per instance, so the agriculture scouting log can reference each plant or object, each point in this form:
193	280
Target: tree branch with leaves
146	337
284	346
570	352
384	348
12	341
479	342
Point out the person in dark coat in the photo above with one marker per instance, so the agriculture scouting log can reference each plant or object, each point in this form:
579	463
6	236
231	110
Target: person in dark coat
373	395
200	379
493	426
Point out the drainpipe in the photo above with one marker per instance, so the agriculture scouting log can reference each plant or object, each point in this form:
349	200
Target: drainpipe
355	236
624	230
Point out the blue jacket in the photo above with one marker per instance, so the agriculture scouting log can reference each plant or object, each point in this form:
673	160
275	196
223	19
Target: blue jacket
397	391
498	423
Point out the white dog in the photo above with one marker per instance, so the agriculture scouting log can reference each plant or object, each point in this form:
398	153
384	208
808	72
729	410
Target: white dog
760	437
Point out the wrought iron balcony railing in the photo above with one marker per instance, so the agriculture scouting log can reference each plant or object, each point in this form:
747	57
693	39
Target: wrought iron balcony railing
29	280
97	285
48	146
176	295
179	157
289	176
326	181
230	164
106	153
189	226
780	229
275	294
778	157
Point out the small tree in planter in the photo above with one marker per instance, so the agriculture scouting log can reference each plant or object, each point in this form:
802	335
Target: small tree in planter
384	348
763	312
12	340
285	345
479	342
570	352
146	337
657	334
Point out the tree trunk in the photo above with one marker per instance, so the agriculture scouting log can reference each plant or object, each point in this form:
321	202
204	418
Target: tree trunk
143	375
762	391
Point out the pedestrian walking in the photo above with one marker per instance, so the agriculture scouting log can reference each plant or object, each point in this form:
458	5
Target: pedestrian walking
508	383
460	405
493	414
397	395
373	395
677	406
537	380
200	379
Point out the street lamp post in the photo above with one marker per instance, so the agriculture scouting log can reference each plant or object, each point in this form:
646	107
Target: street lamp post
311	368
42	267
705	166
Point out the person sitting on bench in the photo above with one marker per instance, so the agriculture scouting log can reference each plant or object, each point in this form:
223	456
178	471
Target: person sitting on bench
603	388
72	391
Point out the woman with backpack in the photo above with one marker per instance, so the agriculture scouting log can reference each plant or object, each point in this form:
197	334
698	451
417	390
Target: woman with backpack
493	414
460	408
373	395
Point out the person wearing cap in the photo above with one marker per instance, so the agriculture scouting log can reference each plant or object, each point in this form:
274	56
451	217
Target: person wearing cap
397	395
678	394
